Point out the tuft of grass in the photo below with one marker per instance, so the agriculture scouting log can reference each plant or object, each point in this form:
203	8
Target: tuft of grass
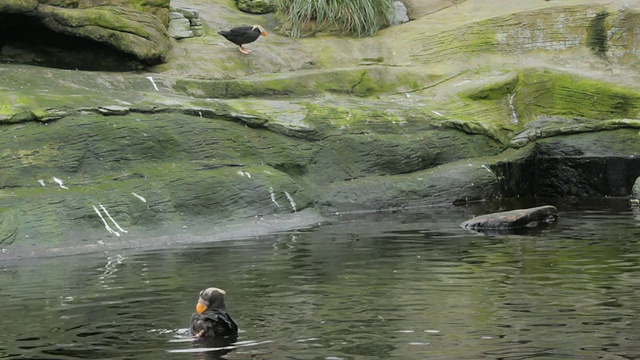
357	17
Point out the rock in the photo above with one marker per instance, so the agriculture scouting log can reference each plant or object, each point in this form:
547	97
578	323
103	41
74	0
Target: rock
255	6
175	15
399	14
17	117
130	28
516	219
578	164
188	13
635	190
113	110
185	23
180	28
133	32
17	6
8	226
412	117
198	30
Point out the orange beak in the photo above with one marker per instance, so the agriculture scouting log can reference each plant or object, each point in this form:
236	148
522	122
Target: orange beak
264	33
200	308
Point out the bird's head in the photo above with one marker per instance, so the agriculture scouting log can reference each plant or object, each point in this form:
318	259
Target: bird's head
262	30
211	298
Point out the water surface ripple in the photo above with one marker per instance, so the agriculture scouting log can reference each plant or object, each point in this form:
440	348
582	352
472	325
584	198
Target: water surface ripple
405	286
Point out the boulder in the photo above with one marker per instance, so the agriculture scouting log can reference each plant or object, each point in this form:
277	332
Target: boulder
399	15
180	28
515	219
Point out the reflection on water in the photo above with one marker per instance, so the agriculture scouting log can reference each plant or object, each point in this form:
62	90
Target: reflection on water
406	286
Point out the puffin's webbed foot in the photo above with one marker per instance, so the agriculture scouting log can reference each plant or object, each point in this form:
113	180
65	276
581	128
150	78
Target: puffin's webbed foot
244	51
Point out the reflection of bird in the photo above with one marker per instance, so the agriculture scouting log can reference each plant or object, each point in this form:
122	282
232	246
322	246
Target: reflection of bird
243	35
211	319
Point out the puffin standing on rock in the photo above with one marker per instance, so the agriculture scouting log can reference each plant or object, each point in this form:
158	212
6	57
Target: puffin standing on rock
211	319
243	35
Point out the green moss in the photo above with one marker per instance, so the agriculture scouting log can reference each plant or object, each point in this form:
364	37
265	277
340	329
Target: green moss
364	81
597	36
496	90
550	93
104	17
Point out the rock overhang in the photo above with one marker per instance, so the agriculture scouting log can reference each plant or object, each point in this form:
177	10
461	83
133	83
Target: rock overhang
46	33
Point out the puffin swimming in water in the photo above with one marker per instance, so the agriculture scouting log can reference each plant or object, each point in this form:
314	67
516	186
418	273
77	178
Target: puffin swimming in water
211	320
243	35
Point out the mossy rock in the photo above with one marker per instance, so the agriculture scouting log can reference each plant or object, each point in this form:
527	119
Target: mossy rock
255	6
18	6
362	81
8	226
133	32
552	93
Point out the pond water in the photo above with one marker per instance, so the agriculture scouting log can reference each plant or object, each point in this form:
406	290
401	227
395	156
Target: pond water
377	286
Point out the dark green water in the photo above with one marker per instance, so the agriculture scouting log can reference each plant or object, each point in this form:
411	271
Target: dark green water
404	286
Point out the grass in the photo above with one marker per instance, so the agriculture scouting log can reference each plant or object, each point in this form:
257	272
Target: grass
355	17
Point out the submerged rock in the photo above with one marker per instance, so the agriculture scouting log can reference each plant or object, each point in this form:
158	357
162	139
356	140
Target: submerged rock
515	219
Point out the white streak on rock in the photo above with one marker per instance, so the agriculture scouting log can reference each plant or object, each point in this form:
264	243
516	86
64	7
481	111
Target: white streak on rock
113	221
291	201
59	182
153	82
139	197
41	182
514	115
109	229
273	197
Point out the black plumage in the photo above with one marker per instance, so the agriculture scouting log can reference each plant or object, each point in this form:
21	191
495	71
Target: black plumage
211	319
243	35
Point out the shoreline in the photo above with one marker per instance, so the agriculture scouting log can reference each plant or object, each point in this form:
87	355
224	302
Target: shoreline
233	230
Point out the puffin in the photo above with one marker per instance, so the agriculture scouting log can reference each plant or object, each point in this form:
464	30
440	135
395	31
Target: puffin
243	35
211	319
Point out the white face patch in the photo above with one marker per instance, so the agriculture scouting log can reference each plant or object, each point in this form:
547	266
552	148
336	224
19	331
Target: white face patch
203	302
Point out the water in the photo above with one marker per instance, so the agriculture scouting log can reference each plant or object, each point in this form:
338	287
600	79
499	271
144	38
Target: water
381	286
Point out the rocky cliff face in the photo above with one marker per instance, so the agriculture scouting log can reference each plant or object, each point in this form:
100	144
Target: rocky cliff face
469	102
